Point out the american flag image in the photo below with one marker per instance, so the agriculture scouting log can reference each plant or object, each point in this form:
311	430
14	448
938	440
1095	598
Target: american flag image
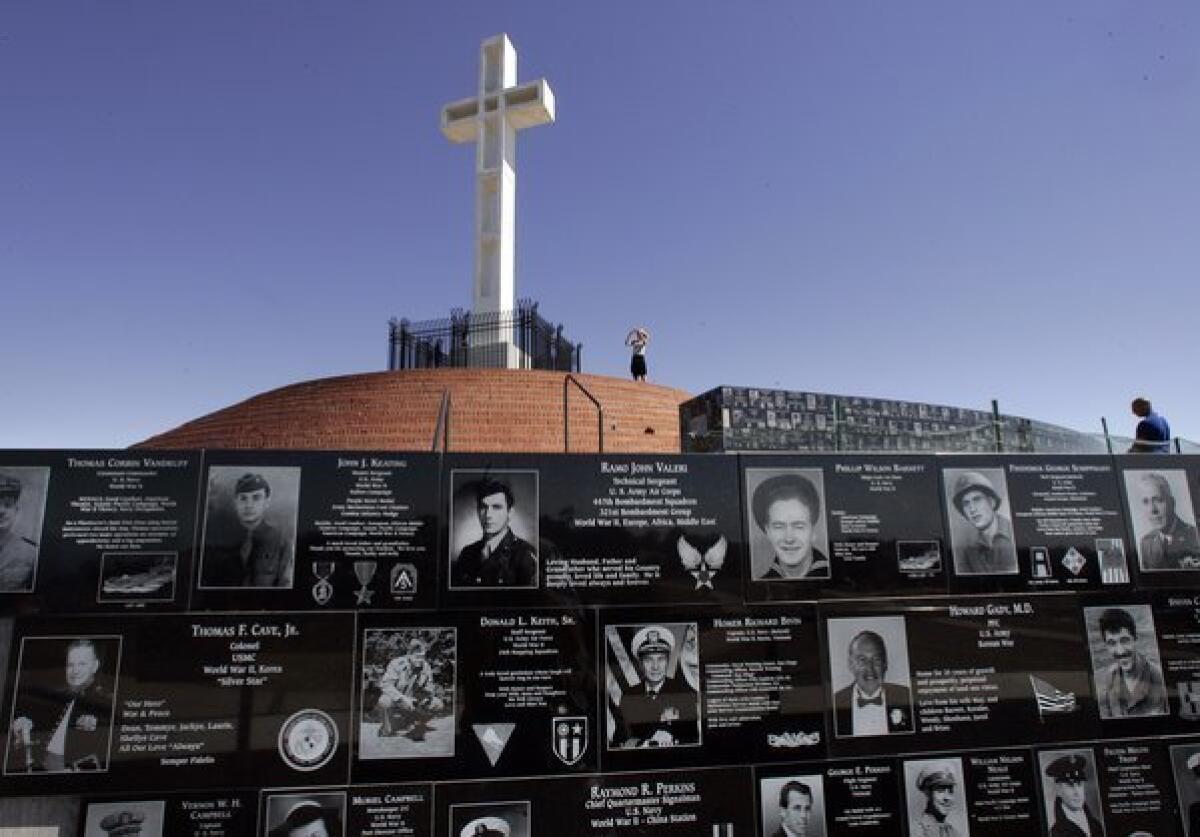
1050	699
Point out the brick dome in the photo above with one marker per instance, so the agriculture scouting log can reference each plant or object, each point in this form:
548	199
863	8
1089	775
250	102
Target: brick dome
491	410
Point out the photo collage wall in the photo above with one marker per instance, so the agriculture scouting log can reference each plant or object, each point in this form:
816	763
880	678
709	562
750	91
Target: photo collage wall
327	644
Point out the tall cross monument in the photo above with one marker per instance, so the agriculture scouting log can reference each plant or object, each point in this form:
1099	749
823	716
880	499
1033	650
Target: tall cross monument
491	119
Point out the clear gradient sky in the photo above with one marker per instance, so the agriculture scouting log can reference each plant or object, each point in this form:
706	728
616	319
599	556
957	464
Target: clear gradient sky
930	200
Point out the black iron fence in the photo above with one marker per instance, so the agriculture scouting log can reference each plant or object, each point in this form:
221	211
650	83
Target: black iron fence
520	338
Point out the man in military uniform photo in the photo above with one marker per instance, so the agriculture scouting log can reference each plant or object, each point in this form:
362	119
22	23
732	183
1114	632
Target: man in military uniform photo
939	783
18	554
1170	543
989	548
871	705
1071	815
1193	812
661	710
255	554
499	558
787	509
408	699
1132	686
60	728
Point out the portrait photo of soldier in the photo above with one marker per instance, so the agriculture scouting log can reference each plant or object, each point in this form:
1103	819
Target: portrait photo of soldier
493	529
936	801
1126	665
652	684
868	659
981	531
1185	765
1164	522
306	815
250	527
793	806
788	537
408	688
63	712
1070	793
125	819
22	510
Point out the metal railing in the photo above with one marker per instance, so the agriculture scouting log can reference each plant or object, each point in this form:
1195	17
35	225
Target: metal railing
519	338
567	381
441	430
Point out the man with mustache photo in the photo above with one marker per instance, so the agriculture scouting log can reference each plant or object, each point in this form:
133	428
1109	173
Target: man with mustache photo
1132	685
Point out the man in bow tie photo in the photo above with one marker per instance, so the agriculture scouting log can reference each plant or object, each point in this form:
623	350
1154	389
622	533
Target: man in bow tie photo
871	705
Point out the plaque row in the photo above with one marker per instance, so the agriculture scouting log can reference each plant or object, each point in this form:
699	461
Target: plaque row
1135	787
170	701
115	532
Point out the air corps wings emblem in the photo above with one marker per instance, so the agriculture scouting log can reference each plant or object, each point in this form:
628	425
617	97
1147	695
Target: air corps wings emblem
570	736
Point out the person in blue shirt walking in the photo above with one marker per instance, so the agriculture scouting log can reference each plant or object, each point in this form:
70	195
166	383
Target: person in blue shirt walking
1153	434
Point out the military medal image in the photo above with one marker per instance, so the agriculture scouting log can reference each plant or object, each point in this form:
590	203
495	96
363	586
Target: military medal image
322	591
364	571
308	739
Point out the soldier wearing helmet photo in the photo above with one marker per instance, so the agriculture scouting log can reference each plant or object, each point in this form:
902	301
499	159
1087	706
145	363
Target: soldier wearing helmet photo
981	535
659	709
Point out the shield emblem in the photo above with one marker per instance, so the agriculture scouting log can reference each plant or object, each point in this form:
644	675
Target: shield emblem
570	737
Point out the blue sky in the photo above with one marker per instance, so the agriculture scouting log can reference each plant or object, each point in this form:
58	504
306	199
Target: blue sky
936	201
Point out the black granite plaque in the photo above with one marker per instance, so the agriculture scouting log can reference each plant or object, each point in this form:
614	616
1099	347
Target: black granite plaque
1184	756
464	695
691	686
846	525
1118	788
852	798
1160	494
211	814
179	702
301	530
1176	622
95	531
685	803
1037	523
390	811
591	529
957	673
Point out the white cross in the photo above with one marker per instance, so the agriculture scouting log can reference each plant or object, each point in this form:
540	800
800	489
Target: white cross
492	118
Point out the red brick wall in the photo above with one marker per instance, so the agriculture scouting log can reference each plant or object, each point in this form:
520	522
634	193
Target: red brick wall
491	410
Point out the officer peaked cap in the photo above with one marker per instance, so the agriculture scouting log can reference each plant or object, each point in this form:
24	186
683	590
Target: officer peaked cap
1068	769
653	639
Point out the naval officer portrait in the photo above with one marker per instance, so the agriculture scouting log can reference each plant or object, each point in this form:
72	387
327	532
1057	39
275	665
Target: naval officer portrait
1163	521
658	705
494	518
877	700
63	713
22	505
981	533
1070	793
791	541
250	527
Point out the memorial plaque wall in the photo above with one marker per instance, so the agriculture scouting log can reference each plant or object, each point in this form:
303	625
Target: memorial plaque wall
278	643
